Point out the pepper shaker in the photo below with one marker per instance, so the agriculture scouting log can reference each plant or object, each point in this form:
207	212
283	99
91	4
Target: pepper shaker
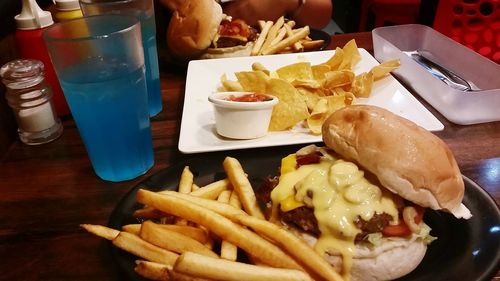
30	97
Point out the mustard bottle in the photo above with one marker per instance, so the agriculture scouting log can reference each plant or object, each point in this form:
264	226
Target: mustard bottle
67	10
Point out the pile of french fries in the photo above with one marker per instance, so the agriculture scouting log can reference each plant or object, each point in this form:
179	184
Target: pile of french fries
223	213
280	37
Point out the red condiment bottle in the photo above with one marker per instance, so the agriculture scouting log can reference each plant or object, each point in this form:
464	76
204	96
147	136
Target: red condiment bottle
31	22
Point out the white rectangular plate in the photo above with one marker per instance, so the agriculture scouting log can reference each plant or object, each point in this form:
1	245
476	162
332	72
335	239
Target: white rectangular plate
203	78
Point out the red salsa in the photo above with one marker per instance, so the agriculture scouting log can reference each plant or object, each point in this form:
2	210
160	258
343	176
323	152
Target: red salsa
254	97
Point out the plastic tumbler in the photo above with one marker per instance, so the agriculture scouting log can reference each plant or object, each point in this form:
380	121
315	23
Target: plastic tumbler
144	11
100	64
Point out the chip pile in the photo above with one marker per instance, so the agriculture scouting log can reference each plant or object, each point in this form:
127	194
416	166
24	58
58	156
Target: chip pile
310	93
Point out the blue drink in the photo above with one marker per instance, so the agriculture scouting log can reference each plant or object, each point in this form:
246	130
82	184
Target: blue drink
148	31
110	107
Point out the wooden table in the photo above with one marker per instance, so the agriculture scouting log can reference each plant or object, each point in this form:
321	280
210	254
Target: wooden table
47	191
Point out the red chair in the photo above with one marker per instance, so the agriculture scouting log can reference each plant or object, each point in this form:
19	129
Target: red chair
389	12
473	23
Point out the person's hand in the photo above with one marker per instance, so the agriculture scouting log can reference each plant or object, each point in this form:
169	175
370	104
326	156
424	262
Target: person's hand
253	10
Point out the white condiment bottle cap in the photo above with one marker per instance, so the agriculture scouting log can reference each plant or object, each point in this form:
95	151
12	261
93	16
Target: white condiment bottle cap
32	16
67	5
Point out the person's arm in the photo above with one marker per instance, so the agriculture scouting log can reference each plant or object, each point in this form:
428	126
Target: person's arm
315	13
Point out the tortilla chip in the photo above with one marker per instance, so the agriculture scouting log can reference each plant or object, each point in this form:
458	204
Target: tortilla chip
311	96
319	71
291	107
351	55
252	81
323	108
362	85
338	78
296	71
337	58
385	68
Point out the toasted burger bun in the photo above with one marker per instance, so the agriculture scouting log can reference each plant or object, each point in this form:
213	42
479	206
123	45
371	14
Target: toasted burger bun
193	25
407	159
393	258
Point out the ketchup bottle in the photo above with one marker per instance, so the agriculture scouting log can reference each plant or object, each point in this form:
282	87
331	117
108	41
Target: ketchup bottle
31	22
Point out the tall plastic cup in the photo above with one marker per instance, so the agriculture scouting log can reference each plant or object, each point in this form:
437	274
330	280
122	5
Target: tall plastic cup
144	11
100	63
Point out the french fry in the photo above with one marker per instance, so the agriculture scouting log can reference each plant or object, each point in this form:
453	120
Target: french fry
148	213
185	184
171	240
261	24
242	186
152	270
132	228
230	86
224	270
281	34
262	37
220	226
186	181
295	246
289	41
288	27
312	44
101	231
224	196
212	190
273	32
257	66
157	271
196	233
135	245
228	250
194	187
234	200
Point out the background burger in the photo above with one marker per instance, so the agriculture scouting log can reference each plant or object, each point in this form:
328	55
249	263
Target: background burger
360	201
199	29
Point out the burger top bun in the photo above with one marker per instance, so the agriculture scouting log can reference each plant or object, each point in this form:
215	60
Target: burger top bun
193	25
407	159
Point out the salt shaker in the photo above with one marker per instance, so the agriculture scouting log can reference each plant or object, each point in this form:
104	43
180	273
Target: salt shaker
30	97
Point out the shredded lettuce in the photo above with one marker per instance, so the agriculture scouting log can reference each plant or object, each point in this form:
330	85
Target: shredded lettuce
375	238
425	234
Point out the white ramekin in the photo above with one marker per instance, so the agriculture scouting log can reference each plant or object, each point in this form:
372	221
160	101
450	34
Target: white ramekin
241	120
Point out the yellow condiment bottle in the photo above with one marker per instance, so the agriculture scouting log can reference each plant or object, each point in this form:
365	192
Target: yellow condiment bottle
67	10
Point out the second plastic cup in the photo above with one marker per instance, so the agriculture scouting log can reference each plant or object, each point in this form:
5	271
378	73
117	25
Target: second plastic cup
143	10
100	63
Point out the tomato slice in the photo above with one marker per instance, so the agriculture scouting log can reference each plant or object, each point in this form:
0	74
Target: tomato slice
400	230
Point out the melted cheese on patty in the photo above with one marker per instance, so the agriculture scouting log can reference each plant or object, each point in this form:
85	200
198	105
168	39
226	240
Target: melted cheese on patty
339	194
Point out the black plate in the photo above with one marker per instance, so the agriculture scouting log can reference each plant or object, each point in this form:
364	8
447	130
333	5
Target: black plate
465	249
316	34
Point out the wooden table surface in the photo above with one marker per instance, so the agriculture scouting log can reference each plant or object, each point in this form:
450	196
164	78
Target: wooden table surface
47	191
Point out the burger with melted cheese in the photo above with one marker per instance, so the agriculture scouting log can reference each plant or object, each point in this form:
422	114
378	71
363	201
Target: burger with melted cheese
360	201
199	29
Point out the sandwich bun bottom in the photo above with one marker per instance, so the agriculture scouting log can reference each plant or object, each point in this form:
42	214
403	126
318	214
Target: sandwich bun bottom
228	52
393	258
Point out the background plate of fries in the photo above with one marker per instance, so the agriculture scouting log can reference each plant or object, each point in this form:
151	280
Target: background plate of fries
464	250
205	77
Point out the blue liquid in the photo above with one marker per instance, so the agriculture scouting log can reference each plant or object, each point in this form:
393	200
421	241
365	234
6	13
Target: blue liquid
148	31
110	108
